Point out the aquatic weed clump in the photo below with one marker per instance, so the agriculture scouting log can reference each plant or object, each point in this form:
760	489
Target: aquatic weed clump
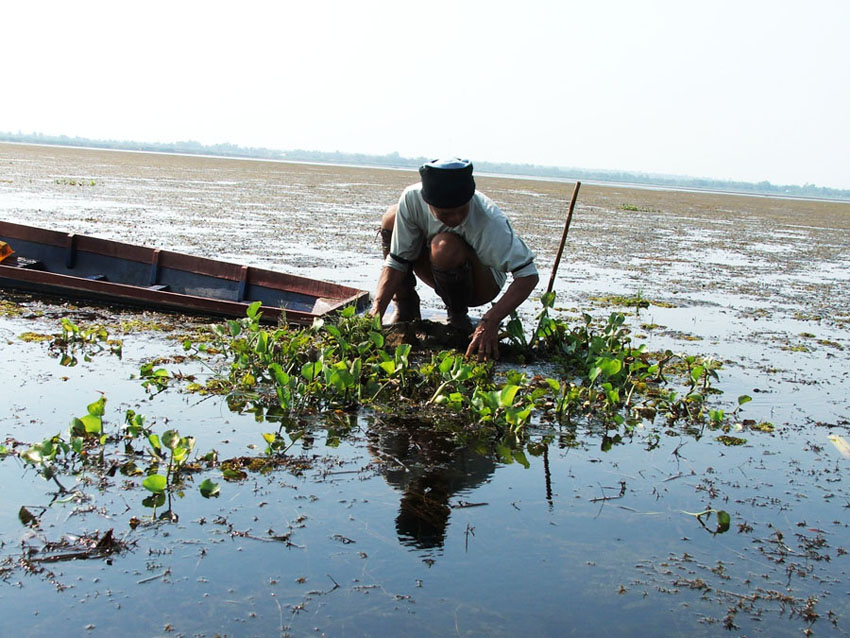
598	375
604	377
292	372
75	341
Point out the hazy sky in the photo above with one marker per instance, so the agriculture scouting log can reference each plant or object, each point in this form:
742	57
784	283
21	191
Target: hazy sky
747	90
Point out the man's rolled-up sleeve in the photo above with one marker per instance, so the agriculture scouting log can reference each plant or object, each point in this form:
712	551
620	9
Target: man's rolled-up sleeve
510	253
407	239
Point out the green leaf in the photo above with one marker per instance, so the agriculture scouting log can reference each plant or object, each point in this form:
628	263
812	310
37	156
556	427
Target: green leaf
723	521
78	428
519	457
446	365
154	500
346	377
32	455
455	397
310	370
92	424
334	380
505	454
507	395
179	454
609	367
233	475
262	346
67	360
27	518
208	488
730	441
48	450
461	372
155	444
170	439
77	444
744	399
696	373
516	417
356	368
253	309
98	407
482	399
279	375
156	483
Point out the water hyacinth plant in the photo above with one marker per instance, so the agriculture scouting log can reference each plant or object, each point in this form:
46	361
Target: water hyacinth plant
347	363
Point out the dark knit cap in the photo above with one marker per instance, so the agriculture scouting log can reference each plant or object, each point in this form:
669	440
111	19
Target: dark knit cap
447	183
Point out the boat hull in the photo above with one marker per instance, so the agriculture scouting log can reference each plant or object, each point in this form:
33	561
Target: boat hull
81	266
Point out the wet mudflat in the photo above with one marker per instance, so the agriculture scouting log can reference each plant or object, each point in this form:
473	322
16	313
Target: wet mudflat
385	527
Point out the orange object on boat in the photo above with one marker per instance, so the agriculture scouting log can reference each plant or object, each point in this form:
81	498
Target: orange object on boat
5	250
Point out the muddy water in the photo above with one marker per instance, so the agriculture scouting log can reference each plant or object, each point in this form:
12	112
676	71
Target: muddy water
549	549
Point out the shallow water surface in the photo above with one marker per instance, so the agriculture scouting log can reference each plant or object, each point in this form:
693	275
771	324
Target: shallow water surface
386	527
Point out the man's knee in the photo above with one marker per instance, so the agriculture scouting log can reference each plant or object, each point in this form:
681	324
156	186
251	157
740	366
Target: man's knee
448	251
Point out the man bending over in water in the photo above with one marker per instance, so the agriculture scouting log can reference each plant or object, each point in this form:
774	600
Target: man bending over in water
457	241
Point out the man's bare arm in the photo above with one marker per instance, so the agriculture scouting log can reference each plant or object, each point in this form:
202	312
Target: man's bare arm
485	339
388	283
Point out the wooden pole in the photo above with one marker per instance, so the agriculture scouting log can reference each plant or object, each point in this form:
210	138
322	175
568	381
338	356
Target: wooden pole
563	237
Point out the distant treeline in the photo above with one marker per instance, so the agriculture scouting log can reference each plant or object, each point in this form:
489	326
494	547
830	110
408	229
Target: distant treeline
394	160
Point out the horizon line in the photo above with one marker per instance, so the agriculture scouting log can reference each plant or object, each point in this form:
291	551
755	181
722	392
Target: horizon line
495	169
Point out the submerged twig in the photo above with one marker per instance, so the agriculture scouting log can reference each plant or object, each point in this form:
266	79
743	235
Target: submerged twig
611	498
149	579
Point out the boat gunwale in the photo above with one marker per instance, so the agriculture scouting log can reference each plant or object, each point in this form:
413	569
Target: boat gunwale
333	296
175	260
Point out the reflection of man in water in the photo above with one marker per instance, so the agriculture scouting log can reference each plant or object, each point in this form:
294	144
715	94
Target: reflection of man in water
428	467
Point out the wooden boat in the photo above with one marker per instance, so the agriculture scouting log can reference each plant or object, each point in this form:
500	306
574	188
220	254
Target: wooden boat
80	266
